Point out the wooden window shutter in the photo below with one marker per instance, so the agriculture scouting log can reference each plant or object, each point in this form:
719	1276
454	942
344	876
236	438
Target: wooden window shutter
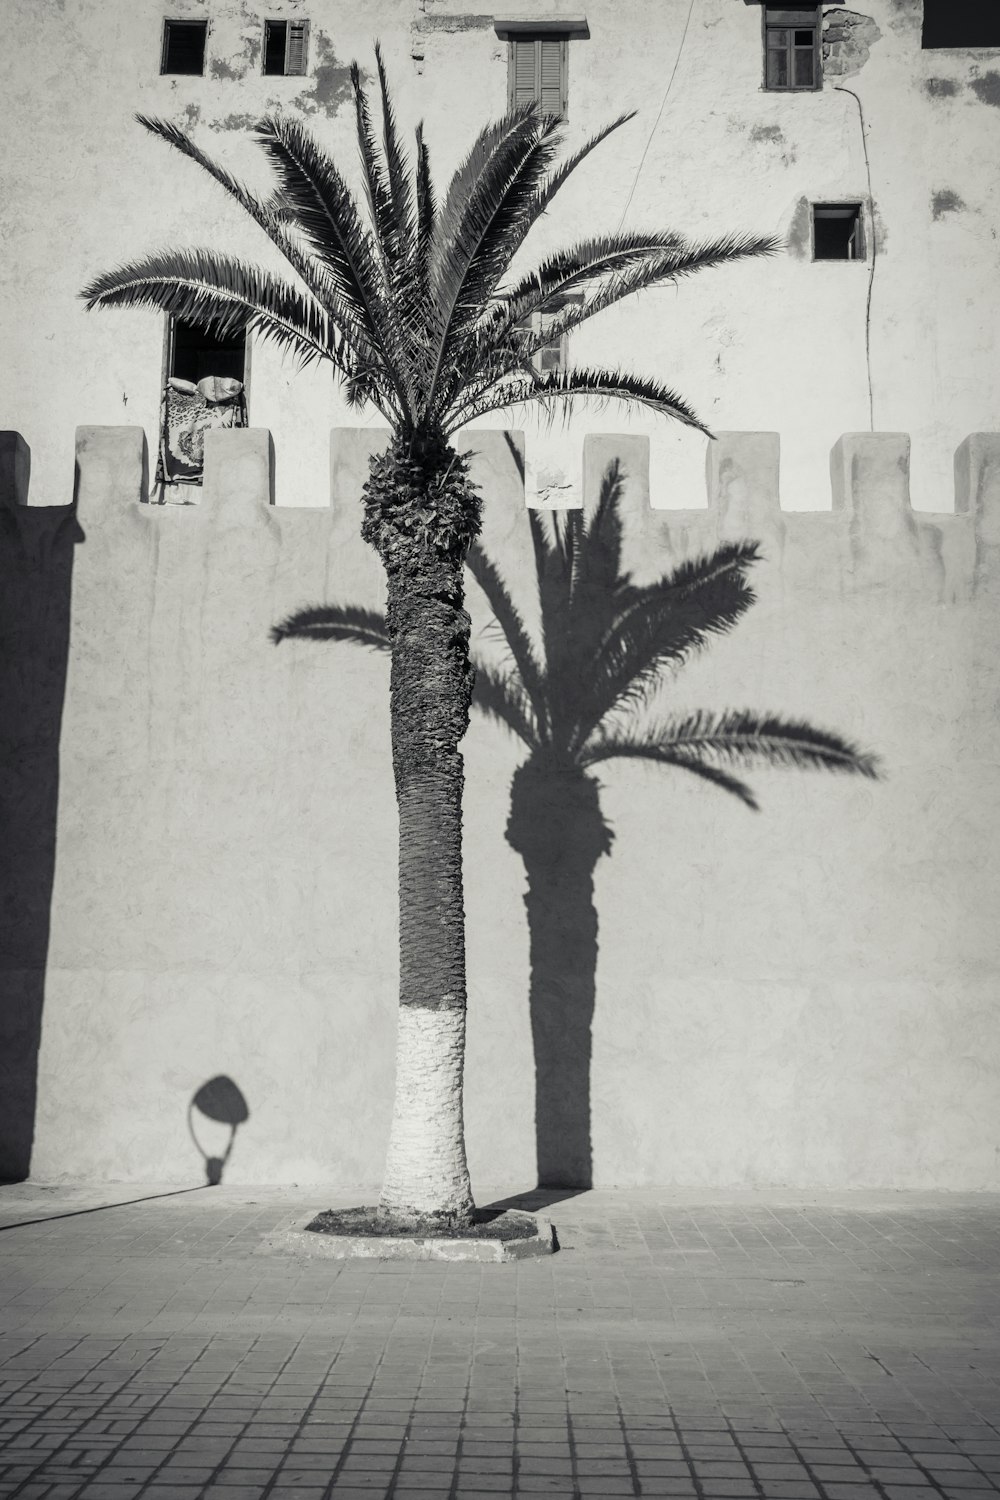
296	45
551	98
522	73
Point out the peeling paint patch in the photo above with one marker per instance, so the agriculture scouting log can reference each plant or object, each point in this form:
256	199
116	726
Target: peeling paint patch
219	68
767	133
192	114
234	122
848	38
987	89
944	201
940	88
332	82
800	230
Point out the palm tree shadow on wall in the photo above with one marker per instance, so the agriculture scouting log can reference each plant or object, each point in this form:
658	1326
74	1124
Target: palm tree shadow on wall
36	571
220	1101
585	693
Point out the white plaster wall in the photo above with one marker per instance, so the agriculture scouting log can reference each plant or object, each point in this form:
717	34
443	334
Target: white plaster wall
805	997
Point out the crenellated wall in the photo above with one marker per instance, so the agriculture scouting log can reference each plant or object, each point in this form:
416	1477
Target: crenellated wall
201	835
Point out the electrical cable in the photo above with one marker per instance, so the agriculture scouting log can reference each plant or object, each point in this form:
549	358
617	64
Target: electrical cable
871	274
659	116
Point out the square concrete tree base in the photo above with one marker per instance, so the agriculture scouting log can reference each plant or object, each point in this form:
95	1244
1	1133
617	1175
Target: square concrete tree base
537	1237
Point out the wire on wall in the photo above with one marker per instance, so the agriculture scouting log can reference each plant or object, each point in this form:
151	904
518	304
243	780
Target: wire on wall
659	116
871	273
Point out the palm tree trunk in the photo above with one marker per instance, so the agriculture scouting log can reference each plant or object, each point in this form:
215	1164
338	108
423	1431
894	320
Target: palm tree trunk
421	515
557	828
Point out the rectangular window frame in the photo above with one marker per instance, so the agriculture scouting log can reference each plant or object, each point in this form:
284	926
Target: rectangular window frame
796	18
842	209
537	37
296	41
169	21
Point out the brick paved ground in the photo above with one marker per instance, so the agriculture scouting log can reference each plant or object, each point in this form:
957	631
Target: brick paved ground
782	1350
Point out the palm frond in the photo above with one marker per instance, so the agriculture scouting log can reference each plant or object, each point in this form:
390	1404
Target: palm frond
324	208
395	159
221	293
335	622
660	626
649	271
602	534
266	214
514	630
501	696
747	738
567	167
622	747
377	187
489	196
561	387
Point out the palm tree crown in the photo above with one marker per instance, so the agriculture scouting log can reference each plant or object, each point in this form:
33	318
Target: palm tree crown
411	300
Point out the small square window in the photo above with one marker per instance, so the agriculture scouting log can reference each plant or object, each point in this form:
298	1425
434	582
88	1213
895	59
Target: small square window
791	47
537	73
183	47
961	23
838	231
285	46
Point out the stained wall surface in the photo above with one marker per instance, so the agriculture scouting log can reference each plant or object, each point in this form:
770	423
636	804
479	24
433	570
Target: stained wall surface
804	996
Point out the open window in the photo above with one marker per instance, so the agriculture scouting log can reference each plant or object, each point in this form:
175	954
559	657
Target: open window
286	46
205	388
183	47
838	231
961	23
196	353
792	47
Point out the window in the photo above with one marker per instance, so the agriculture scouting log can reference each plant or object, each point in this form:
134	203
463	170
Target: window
196	352
838	232
961	23
183	47
285	46
537	73
551	357
791	47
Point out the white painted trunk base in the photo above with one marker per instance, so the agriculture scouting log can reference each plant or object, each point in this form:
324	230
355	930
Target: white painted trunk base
426	1170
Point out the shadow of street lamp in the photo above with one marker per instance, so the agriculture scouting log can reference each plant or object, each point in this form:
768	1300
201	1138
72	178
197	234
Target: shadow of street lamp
220	1101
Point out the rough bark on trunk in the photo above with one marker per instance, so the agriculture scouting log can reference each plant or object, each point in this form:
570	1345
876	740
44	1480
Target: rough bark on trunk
557	828
421	513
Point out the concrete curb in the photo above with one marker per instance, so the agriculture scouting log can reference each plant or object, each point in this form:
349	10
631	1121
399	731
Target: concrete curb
406	1247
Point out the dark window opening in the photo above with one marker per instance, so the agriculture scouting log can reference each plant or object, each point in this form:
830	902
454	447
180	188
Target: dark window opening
537	73
961	23
838	232
184	46
791	47
197	352
285	45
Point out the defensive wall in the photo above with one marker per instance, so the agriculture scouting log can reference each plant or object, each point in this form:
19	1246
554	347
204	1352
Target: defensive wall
199	872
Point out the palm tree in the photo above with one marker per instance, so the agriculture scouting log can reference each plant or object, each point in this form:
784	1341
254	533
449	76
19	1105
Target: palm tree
580	697
412	300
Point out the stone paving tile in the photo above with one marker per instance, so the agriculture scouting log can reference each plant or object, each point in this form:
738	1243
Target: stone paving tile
806	1348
